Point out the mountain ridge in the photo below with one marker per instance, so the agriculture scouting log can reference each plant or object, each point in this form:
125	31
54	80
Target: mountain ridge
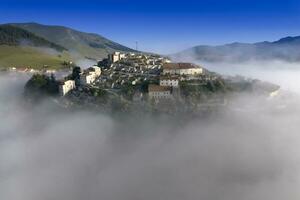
89	45
37	45
286	49
14	36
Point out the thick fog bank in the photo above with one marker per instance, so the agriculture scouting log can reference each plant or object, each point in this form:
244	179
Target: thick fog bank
285	74
250	151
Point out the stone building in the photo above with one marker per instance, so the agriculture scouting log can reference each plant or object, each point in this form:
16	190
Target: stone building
181	69
66	86
116	56
169	81
90	75
158	92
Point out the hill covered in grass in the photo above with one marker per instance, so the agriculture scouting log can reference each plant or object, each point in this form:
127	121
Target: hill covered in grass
21	48
15	36
35	45
33	57
87	45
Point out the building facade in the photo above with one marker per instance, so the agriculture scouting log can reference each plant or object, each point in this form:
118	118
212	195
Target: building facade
181	69
87	78
169	81
66	86
90	75
97	70
158	92
116	56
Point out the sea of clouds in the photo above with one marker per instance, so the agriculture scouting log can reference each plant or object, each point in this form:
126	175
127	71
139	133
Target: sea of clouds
249	151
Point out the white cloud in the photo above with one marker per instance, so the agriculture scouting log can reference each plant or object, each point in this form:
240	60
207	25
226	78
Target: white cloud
250	153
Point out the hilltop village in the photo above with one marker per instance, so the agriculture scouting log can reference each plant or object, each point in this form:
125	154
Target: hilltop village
158	74
135	81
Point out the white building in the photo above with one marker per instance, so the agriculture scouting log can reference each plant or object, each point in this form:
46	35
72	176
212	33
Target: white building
97	70
116	56
87	78
90	75
181	69
66	86
50	71
158	92
169	81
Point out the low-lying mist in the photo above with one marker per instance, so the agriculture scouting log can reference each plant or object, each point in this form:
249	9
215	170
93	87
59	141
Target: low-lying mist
278	71
285	74
248	151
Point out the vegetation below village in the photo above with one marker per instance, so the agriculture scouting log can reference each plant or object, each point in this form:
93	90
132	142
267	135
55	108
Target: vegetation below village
41	86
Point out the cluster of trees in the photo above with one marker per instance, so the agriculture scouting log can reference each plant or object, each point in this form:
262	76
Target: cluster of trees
40	86
104	64
190	89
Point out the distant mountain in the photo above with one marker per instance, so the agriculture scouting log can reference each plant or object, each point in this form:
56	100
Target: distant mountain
14	36
88	45
286	49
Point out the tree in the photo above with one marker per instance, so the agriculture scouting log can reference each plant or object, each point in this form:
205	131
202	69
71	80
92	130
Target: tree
104	64
76	72
41	85
76	75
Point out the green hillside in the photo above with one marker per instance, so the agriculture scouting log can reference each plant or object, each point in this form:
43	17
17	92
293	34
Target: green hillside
17	56
82	44
35	45
11	35
21	48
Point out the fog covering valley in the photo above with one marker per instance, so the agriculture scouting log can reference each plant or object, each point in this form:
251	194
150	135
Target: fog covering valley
285	74
250	150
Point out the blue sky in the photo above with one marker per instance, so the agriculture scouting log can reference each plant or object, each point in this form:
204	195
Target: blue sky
164	26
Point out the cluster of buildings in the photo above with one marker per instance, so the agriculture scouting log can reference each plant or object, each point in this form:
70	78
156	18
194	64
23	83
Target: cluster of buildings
132	69
171	75
181	69
116	56
87	77
140	61
90	75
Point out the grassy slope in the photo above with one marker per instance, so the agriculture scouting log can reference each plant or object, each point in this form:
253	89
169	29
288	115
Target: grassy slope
80	44
85	44
14	36
12	56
